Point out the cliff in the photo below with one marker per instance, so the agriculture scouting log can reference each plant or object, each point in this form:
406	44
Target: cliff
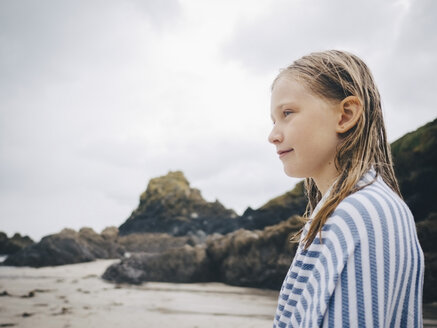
415	164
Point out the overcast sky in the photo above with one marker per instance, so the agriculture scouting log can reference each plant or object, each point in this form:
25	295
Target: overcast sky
98	97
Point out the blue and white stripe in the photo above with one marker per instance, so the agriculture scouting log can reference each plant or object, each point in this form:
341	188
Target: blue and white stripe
366	272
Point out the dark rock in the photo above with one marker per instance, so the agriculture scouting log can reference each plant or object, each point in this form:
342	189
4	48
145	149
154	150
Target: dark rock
169	205
196	238
427	233
151	242
66	247
430	281
99	247
13	244
110	233
415	164
255	258
186	264
69	246
29	295
276	210
244	258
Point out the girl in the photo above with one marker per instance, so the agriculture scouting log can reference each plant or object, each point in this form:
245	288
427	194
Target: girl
359	262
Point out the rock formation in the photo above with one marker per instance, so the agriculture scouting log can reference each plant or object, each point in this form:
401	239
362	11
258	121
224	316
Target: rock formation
66	247
70	246
255	258
13	244
243	258
415	164
185	264
152	242
275	210
170	205
427	233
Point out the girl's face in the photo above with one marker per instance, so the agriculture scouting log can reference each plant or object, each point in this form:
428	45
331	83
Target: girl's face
304	131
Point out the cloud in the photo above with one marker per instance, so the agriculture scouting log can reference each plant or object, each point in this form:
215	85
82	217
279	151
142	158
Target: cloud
411	64
290	29
50	39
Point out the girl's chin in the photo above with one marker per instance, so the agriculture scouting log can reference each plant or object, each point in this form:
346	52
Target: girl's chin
293	173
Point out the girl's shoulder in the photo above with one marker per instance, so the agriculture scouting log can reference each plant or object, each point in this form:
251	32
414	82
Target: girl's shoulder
375	208
375	195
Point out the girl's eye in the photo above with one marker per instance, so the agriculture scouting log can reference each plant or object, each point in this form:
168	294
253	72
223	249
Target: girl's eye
287	112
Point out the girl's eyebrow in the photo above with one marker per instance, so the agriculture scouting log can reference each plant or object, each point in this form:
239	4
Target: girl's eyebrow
286	104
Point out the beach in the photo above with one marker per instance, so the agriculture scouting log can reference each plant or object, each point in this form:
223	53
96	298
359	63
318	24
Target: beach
75	296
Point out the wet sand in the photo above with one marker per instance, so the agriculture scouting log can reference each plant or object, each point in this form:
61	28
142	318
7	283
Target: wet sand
75	296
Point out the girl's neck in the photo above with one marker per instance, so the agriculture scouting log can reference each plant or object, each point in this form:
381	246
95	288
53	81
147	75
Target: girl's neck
327	178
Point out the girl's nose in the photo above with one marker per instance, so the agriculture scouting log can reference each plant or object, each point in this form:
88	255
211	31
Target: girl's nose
275	136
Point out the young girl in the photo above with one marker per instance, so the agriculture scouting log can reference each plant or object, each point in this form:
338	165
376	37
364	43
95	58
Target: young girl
359	262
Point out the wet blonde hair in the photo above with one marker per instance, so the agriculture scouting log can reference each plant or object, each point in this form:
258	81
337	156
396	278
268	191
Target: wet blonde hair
334	75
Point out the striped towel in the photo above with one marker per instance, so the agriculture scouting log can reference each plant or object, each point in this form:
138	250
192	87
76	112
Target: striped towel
367	271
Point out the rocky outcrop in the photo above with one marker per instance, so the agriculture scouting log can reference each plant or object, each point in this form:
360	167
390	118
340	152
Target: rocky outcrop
184	265
244	258
152	242
67	247
13	244
415	164
170	205
255	258
276	210
427	233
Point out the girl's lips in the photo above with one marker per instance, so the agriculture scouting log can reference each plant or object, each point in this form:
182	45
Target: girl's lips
282	153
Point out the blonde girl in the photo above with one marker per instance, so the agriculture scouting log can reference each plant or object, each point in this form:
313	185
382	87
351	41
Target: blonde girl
359	262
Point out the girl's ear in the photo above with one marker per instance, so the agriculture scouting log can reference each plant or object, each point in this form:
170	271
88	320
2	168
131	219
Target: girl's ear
350	110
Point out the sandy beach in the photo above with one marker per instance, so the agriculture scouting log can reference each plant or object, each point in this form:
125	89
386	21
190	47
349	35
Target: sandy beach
75	296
